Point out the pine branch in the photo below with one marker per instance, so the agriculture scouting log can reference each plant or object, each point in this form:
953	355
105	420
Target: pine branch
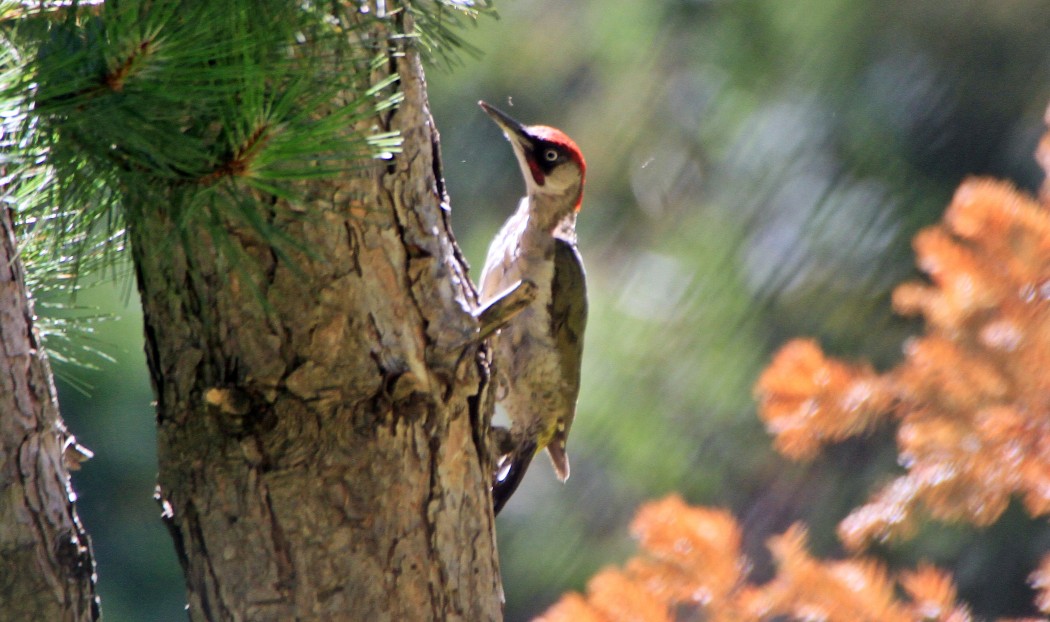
210	111
162	101
438	24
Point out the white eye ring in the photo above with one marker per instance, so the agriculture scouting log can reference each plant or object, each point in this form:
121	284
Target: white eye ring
550	155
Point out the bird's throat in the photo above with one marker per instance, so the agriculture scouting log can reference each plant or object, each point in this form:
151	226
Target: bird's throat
551	213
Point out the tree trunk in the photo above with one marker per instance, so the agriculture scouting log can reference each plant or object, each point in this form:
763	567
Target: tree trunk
323	431
47	571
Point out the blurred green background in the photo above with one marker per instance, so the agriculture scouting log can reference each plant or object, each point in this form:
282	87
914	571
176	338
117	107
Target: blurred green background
756	169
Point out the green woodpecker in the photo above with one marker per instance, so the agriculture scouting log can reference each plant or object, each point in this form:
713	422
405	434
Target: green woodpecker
538	352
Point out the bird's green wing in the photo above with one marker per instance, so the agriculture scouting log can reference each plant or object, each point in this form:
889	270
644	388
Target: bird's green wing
568	313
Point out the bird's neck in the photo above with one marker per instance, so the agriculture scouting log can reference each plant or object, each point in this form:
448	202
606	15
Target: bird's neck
552	215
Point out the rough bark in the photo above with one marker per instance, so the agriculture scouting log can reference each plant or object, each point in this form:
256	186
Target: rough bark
47	571
322	434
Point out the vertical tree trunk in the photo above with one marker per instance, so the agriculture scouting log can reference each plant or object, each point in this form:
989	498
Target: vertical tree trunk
47	571
323	434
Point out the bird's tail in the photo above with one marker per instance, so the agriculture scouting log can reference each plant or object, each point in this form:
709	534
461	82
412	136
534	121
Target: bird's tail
509	474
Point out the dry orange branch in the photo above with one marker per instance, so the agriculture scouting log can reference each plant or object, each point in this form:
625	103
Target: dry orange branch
691	567
970	397
1040	580
972	404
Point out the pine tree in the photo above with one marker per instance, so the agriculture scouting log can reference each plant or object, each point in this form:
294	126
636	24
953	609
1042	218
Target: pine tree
323	400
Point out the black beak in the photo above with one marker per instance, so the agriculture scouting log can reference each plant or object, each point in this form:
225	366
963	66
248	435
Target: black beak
513	129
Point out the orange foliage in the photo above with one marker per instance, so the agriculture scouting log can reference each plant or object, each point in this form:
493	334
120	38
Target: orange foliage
809	589
810	400
973	412
932	593
685	543
692	557
972	404
1041	582
691	565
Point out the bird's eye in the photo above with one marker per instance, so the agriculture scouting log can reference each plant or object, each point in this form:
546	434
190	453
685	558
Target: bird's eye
551	155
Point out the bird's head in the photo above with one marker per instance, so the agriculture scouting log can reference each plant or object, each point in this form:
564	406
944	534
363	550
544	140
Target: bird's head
550	161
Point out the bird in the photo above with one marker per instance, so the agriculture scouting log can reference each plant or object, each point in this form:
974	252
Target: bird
537	354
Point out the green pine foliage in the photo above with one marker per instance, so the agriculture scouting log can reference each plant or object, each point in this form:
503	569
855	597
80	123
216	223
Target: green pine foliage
213	111
184	105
